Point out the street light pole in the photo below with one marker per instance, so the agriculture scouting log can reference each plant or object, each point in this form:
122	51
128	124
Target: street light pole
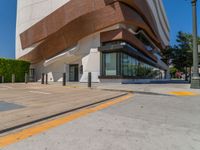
195	83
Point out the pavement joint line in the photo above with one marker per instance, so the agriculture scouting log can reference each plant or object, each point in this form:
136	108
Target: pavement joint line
39	92
8	87
56	115
26	133
138	92
183	93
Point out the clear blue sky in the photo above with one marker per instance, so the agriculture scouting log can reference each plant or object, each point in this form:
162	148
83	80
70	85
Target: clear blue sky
7	28
178	12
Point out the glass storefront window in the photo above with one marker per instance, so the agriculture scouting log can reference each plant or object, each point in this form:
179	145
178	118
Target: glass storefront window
124	65
129	65
110	64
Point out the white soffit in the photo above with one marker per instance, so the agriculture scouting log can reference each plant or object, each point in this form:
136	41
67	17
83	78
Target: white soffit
60	56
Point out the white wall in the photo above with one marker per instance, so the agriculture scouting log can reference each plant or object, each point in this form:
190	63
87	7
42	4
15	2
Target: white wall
86	47
85	52
91	63
30	12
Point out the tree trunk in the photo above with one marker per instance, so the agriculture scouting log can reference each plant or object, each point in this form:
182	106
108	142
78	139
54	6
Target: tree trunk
186	77
190	74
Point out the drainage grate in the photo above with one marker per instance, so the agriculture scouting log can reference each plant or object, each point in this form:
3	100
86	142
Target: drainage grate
4	106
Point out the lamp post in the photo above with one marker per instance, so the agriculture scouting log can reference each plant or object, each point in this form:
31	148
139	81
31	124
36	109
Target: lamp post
195	83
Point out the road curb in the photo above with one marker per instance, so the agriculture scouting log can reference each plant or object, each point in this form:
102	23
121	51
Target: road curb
136	92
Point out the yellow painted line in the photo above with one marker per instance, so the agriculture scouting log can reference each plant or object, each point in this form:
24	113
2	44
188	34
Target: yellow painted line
26	133
183	93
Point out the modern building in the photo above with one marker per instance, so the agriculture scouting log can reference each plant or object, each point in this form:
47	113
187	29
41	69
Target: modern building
115	40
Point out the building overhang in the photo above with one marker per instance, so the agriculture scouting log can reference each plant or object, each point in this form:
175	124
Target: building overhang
128	50
124	35
134	52
76	20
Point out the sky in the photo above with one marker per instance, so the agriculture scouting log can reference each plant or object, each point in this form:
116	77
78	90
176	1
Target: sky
7	28
178	13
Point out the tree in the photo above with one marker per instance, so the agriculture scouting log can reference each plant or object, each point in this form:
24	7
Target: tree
180	55
173	71
167	55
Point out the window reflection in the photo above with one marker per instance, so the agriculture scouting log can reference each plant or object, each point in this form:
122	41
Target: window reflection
121	64
111	64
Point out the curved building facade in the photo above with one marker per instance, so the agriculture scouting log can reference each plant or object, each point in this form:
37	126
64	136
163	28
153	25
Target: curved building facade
118	40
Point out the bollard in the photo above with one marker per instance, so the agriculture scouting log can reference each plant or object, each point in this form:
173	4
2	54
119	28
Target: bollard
89	79
13	78
42	80
2	79
26	78
64	79
46	78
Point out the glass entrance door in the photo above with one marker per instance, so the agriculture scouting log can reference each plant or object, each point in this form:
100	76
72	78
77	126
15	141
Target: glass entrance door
73	73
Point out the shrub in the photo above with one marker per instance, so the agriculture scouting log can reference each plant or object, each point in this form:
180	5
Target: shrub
11	66
173	71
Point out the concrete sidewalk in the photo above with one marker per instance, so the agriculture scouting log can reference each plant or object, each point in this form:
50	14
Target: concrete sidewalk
165	89
143	122
23	103
149	88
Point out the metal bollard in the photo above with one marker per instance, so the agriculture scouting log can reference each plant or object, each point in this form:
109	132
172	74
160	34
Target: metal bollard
13	78
42	80
26	78
46	78
89	79
64	79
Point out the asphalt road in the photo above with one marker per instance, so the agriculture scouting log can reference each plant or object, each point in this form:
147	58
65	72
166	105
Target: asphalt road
143	122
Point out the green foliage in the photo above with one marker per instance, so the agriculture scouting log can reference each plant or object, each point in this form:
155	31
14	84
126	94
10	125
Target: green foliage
180	55
167	55
183	51
173	71
17	67
147	72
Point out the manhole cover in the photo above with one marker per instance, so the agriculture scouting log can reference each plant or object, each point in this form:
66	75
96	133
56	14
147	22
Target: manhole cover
4	106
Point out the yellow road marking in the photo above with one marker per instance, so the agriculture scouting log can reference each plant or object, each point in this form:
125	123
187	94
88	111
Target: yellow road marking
26	133
183	93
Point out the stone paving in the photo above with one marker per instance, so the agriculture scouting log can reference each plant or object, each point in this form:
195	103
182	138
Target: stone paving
143	122
35	101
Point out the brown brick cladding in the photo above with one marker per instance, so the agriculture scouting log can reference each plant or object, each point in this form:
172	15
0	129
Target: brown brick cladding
75	20
124	35
143	9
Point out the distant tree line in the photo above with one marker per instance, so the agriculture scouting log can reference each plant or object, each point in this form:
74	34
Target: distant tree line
180	56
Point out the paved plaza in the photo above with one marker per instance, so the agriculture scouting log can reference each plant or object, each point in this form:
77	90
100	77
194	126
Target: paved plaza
153	120
24	103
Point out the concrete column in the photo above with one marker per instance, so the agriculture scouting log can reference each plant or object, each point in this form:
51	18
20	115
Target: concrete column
26	78
2	79
195	83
